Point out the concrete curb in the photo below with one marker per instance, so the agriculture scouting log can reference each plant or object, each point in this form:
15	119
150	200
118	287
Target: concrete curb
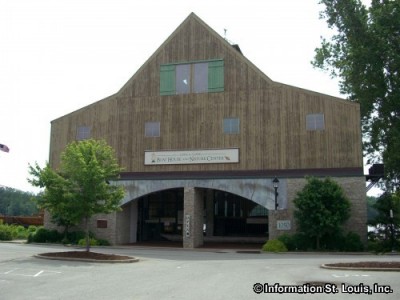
130	260
324	266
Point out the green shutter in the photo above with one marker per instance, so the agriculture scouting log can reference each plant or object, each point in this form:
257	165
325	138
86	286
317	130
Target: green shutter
167	80
216	76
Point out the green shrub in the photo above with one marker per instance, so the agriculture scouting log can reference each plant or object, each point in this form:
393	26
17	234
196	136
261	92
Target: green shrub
352	242
43	235
297	242
75	236
30	238
10	232
39	236
274	246
102	242
32	228
19	232
288	240
65	241
93	242
54	236
5	232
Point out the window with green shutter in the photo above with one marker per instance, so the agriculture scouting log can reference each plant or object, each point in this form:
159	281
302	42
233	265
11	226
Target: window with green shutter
192	77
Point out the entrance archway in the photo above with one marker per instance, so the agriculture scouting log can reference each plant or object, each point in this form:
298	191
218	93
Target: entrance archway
160	216
236	216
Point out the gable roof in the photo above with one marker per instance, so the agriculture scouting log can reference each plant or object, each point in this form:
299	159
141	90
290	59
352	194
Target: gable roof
233	49
193	17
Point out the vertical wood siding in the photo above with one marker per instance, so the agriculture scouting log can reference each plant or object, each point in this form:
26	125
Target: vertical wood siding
272	116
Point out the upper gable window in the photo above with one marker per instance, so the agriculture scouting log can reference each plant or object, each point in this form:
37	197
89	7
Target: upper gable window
83	133
315	122
195	77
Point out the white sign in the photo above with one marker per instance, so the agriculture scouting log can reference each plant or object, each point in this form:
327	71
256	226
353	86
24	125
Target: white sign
283	225
216	156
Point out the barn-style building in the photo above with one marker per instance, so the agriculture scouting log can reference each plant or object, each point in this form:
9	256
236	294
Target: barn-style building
202	133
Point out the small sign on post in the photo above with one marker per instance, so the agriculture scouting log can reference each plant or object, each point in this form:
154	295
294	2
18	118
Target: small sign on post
283	225
187	226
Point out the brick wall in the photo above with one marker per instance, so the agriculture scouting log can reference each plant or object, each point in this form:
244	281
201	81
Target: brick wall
354	188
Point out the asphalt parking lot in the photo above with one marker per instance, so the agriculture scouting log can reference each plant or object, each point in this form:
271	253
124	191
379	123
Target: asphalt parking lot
189	274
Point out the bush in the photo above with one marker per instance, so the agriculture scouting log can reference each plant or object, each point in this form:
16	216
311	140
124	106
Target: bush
43	235
19	232
352	242
288	240
297	242
5	232
10	232
32	228
338	242
93	242
75	236
102	242
274	246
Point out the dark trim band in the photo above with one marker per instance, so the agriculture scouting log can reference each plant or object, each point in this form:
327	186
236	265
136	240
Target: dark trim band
289	173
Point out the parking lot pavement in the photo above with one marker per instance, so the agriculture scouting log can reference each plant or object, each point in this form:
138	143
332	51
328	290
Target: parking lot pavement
183	274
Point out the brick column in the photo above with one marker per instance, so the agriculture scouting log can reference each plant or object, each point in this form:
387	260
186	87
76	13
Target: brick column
192	218
287	224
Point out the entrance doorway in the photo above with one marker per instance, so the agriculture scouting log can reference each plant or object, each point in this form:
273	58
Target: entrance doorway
160	215
238	216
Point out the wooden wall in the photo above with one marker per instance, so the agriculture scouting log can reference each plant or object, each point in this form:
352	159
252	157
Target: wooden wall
272	116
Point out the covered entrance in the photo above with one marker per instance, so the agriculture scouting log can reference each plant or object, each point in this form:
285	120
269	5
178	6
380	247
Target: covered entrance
194	211
238	216
160	215
223	214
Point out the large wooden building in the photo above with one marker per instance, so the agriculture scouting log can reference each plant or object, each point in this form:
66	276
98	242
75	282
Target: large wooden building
201	133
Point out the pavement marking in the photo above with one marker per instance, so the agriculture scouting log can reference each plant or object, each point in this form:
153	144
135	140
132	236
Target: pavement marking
30	272
350	275
38	273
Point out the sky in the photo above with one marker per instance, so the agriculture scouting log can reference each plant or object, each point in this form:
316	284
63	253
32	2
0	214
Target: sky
58	56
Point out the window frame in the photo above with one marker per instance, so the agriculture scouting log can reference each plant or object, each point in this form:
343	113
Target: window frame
153	131
214	81
315	122
233	125
83	133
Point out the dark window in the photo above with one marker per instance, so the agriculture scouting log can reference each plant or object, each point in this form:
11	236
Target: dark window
83	133
315	122
101	223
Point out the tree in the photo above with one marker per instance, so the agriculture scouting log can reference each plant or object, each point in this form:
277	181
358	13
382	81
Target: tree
387	225
321	208
56	199
16	203
371	210
80	187
364	53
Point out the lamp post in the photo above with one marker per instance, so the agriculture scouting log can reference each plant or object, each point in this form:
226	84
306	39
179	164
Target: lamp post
392	229
275	183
